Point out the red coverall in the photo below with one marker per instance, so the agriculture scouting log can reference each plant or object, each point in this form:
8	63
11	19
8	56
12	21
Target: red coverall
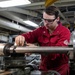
60	37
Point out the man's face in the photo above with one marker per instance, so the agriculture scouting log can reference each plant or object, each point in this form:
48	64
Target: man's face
50	21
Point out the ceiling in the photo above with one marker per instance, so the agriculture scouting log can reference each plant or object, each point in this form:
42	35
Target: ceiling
12	19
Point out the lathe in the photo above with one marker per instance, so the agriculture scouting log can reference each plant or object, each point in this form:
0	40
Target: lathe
13	58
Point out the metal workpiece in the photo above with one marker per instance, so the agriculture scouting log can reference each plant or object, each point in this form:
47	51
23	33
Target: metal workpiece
41	49
1	48
37	49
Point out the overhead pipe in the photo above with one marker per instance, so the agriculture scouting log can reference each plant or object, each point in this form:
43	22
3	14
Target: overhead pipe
12	26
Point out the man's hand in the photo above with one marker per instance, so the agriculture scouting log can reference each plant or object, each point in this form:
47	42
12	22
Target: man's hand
20	40
31	45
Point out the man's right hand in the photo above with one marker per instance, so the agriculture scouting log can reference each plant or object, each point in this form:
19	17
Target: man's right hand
20	40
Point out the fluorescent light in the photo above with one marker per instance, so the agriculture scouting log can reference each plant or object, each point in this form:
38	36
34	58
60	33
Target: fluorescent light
11	3
31	23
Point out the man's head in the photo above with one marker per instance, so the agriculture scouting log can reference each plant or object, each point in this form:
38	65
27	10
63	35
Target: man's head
51	17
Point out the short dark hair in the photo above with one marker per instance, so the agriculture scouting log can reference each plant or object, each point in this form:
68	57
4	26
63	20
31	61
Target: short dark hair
52	10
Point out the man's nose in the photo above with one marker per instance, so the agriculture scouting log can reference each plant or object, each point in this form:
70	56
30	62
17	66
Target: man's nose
46	23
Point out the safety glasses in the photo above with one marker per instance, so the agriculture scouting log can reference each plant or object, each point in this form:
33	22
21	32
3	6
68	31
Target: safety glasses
48	20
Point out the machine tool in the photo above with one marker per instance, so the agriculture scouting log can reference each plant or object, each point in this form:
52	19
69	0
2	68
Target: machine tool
14	58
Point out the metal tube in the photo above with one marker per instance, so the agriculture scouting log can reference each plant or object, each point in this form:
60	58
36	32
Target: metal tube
1	48
37	49
41	49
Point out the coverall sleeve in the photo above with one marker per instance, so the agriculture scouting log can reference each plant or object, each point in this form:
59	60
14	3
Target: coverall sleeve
64	38
31	37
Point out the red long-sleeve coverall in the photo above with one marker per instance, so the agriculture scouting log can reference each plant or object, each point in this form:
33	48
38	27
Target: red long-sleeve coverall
60	37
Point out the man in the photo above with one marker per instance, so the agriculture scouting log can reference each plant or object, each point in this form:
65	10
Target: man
51	34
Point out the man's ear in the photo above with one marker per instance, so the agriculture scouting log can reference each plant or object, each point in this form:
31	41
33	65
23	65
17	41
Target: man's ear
58	19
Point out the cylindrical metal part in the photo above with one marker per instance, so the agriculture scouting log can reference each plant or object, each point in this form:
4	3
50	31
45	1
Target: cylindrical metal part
37	49
41	49
1	49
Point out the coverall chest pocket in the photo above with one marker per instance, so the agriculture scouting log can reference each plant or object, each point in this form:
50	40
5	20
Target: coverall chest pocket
43	41
54	40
